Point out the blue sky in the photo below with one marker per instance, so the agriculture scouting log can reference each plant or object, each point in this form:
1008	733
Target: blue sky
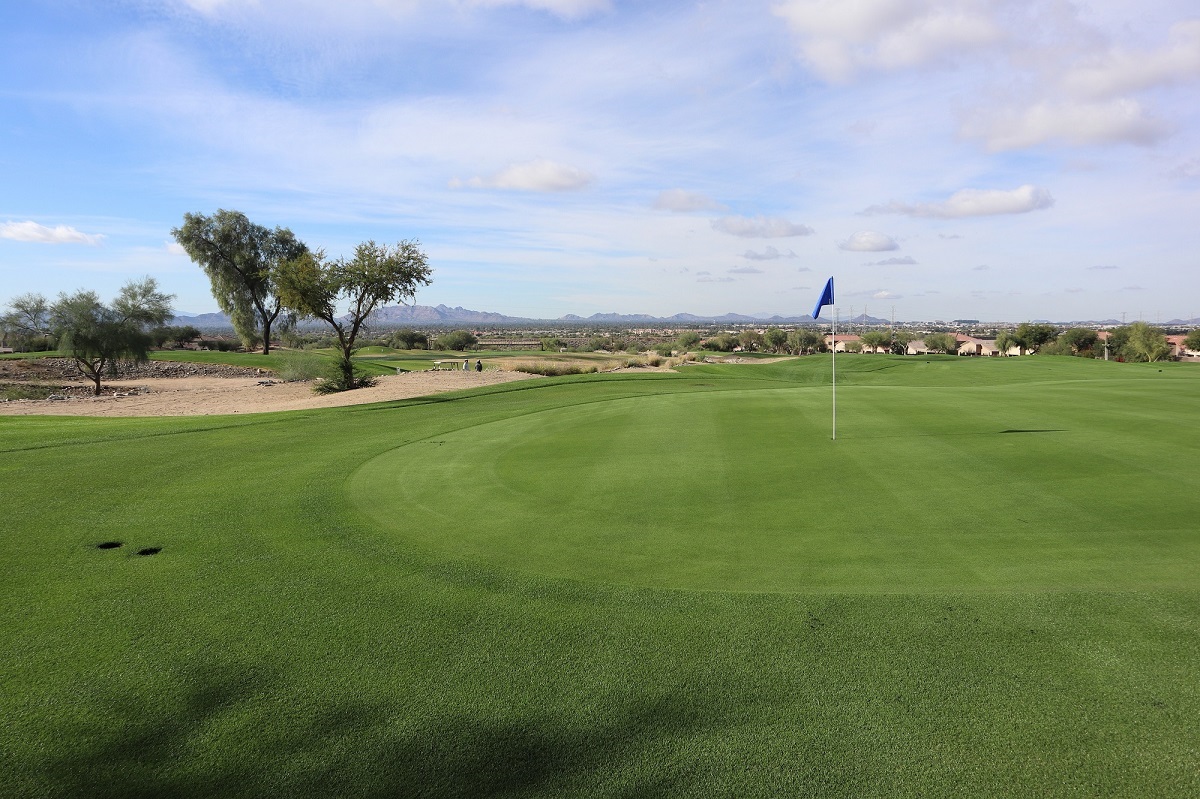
988	159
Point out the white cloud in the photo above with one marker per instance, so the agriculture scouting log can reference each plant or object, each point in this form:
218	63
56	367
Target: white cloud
1119	121
869	241
1120	72
175	248
981	268
59	234
567	9
903	260
973	202
708	279
760	227
839	39
885	295
1187	170
539	175
769	254
682	201
745	270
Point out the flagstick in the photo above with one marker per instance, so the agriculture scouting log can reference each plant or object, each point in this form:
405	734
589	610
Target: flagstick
833	360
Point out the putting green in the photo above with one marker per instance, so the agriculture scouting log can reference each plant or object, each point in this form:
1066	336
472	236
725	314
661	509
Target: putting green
1003	488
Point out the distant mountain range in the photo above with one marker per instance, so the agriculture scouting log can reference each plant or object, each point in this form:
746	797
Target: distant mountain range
445	316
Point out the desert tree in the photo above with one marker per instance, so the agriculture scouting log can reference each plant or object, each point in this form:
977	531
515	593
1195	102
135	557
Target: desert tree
775	339
804	341
1192	341
96	336
26	318
456	341
1146	343
1031	335
943	342
1080	340
239	258
876	340
688	340
378	274
1005	341
899	341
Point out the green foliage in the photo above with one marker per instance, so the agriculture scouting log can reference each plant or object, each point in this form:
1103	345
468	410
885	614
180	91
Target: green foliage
1145	343
24	391
239	258
297	365
1032	336
25	325
688	340
775	339
96	335
163	335
1078	341
376	275
941	342
900	340
750	340
408	339
1005	341
722	342
876	340
1192	341
664	350
455	341
804	341
551	344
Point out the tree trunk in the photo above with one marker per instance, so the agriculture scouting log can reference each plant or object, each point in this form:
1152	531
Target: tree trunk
266	335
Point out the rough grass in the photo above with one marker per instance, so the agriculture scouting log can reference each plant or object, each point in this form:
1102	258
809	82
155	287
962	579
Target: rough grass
284	642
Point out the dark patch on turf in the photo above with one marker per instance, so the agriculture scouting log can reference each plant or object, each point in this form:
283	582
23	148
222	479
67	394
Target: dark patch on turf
149	551
1049	430
110	545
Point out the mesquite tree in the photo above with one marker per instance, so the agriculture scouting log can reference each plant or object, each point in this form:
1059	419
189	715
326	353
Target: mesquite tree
377	274
239	258
96	335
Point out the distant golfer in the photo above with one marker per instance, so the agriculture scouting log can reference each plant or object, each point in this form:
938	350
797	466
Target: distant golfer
478	366
466	365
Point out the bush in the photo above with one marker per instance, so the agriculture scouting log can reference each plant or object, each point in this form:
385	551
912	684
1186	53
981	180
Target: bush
299	365
664	350
551	368
406	339
456	341
338	375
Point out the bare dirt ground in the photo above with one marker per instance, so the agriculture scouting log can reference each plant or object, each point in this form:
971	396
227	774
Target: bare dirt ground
211	395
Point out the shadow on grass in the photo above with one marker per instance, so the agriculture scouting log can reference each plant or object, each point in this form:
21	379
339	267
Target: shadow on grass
221	738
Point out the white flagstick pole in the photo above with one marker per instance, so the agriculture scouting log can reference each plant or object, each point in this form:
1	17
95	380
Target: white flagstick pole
833	359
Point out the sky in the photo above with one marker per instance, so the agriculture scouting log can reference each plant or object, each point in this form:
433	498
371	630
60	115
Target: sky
941	159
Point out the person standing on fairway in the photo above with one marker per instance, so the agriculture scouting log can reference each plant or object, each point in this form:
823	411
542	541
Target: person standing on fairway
478	365
466	364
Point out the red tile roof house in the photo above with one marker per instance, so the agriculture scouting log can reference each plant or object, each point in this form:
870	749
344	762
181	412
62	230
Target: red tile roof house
1180	352
841	342
916	347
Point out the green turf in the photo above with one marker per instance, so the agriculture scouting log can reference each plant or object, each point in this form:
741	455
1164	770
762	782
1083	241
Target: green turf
287	642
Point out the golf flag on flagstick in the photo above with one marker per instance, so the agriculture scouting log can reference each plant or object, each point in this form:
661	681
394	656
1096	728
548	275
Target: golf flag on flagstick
826	298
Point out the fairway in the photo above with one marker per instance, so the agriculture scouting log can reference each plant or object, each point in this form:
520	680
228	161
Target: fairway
930	488
618	586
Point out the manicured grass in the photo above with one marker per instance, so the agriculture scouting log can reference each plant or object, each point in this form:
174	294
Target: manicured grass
297	636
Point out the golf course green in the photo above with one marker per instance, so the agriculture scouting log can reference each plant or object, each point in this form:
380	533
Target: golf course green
618	585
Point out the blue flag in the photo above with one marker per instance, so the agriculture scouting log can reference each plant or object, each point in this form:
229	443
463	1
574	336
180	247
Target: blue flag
826	298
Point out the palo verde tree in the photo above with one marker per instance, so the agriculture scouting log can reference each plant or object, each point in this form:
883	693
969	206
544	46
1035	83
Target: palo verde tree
1080	340
942	342
27	319
96	335
239	258
1192	342
1146	343
376	275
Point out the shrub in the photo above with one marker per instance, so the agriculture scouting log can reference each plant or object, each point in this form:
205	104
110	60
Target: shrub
406	339
456	341
336	376
664	350
551	368
299	365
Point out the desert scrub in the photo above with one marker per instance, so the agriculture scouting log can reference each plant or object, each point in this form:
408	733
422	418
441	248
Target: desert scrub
299	365
551	368
20	391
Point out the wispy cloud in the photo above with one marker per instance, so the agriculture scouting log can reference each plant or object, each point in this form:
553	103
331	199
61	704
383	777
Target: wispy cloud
980	268
1103	267
972	202
769	254
901	260
745	270
760	227
59	234
869	241
538	175
682	201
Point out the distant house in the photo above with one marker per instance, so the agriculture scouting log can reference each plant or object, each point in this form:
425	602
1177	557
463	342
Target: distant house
1179	352
838	343
968	345
916	347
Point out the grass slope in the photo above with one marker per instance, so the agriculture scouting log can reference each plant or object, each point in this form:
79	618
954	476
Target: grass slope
286	643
